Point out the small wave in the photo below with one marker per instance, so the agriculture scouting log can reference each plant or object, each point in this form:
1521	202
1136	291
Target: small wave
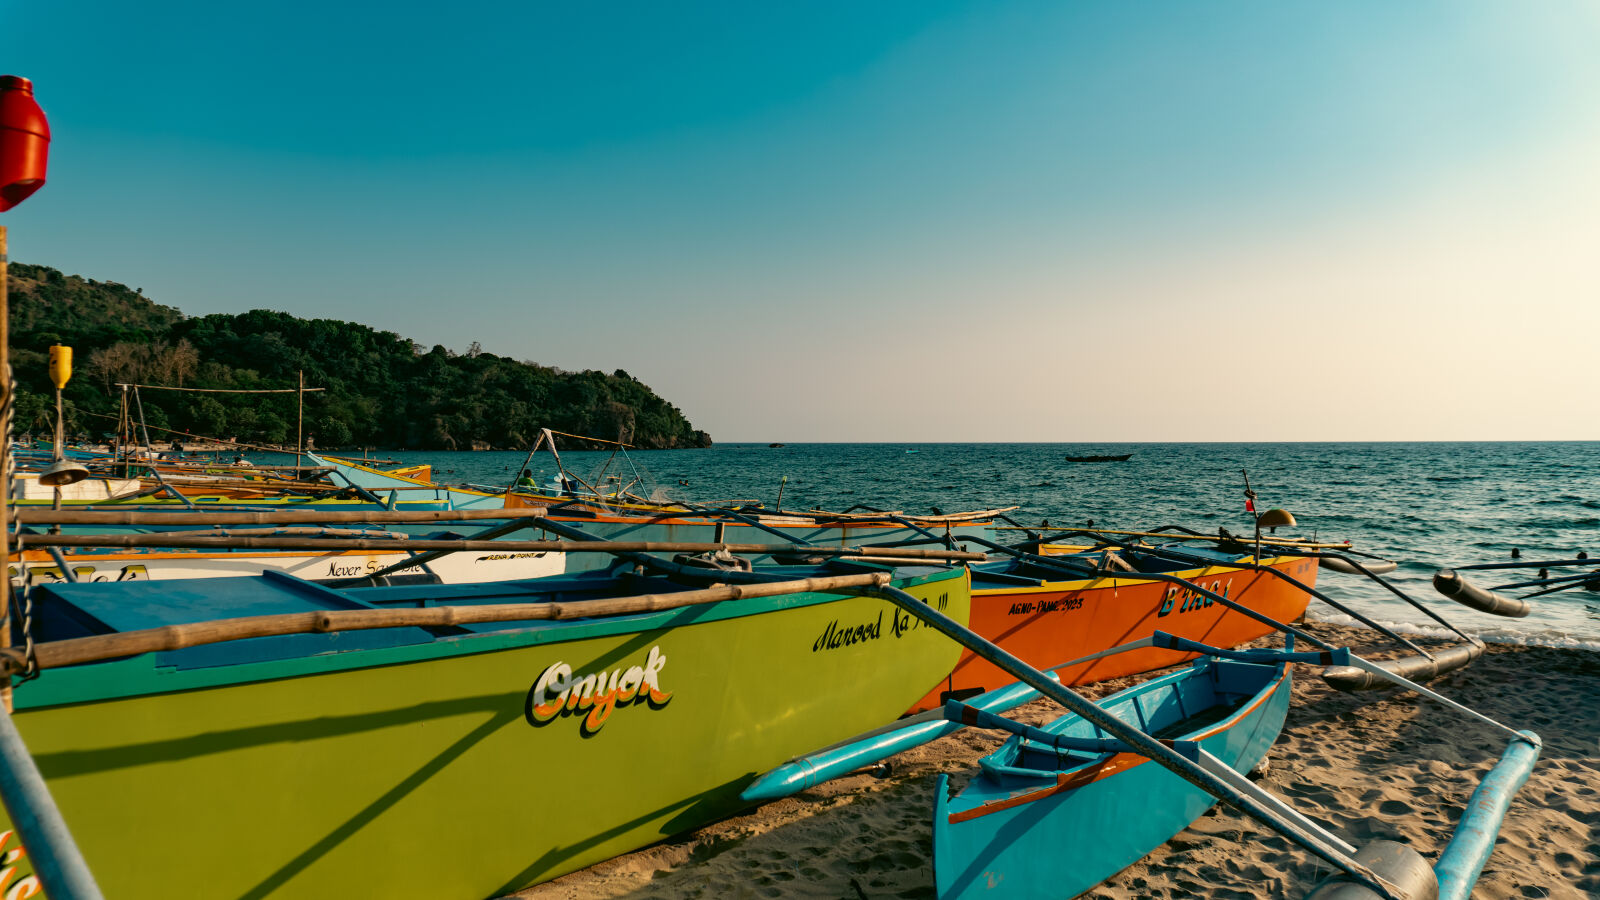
1543	638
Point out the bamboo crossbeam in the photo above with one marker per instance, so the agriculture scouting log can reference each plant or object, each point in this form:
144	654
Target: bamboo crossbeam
1241	539
940	519
189	390
186	542
30	515
248	484
200	467
398	487
95	648
236	445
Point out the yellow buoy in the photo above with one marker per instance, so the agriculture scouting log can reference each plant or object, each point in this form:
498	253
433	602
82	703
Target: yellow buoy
60	365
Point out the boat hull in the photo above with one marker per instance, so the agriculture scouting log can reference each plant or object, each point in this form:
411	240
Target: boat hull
1060	621
1061	836
438	768
162	565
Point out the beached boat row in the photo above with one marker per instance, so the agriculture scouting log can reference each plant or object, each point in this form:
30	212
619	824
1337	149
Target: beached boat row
370	673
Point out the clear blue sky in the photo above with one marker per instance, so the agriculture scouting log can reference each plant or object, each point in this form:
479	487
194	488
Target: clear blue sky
898	221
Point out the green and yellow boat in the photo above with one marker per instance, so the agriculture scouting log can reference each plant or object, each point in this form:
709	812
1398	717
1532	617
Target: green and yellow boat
456	758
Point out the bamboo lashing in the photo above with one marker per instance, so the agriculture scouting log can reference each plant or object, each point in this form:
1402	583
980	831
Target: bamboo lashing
29	515
95	648
186	542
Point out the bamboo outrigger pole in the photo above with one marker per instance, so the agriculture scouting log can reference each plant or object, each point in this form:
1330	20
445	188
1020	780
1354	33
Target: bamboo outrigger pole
244	515
221	542
94	648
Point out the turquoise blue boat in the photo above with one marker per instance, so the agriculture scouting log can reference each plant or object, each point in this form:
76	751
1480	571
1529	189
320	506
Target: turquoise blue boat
1056	812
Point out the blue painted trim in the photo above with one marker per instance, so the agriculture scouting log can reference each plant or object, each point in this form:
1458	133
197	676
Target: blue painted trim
808	771
1469	849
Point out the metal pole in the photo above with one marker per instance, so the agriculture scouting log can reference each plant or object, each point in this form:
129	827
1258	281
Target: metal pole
60	453
56	858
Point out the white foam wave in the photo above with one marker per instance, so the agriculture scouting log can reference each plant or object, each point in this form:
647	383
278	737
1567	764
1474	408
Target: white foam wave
1525	638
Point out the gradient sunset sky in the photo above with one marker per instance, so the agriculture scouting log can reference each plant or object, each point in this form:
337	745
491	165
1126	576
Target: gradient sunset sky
895	221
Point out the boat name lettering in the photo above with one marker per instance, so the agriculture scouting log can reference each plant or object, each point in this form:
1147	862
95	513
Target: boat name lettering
496	557
904	622
597	695
28	886
1059	604
354	570
1190	599
833	637
51	574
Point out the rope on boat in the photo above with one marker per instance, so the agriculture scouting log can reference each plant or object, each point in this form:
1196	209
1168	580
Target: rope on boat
30	667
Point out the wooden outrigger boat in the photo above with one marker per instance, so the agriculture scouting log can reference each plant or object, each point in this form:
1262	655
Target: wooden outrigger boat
1040	794
490	737
1056	810
1046	610
672	522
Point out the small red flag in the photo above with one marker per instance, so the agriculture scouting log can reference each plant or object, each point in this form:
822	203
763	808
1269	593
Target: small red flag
1249	505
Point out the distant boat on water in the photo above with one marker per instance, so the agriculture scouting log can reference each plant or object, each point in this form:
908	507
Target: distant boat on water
1122	458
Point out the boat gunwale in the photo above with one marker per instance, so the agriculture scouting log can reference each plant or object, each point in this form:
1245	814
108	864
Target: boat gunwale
1124	579
146	675
1109	764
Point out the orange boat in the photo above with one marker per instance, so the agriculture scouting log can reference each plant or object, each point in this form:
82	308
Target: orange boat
1047	618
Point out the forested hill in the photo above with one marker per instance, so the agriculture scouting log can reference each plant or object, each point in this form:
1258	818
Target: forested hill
382	390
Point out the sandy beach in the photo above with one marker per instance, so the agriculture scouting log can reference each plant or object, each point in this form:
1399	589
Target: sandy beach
1373	765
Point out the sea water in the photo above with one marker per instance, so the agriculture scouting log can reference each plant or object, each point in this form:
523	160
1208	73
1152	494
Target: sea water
1423	505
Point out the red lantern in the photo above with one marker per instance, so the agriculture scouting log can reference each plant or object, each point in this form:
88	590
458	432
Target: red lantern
24	141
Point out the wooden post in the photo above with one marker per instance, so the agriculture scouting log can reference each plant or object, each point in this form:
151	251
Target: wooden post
299	415
5	452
